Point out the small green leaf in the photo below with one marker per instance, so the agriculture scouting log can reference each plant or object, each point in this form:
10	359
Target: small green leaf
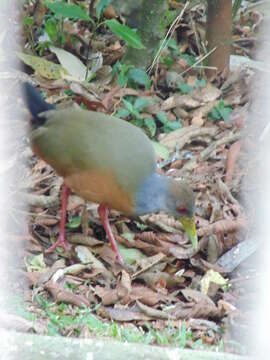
131	109
120	71
199	83
75	223
171	126
225	113
162	117
184	88
141	103
129	236
125	33
28	21
161	150
51	28
220	111
137	122
172	44
130	256
122	113
35	263
140	77
150	124
70	11
101	6
190	59
128	105
167	60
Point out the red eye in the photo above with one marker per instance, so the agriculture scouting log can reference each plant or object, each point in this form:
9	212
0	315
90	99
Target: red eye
182	210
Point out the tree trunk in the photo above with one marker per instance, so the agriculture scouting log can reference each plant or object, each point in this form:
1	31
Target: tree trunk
218	34
146	16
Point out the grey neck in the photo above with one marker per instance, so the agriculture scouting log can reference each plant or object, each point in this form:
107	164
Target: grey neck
153	195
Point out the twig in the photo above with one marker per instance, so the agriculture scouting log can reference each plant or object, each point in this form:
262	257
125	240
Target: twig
205	154
168	35
223	226
198	61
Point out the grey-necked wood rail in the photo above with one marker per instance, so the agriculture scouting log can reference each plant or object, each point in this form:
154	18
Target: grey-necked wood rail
105	160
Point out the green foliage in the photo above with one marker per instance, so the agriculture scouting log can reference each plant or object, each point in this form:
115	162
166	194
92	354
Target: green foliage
101	6
168	125
125	33
51	28
133	107
28	21
70	11
186	88
236	7
140	77
121	73
74	223
127	75
167	19
220	111
174	53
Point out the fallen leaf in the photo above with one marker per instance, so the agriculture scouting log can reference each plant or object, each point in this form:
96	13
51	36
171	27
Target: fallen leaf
154	313
232	156
42	67
70	63
212	276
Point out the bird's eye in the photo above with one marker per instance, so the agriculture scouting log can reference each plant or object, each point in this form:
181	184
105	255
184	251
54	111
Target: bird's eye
182	210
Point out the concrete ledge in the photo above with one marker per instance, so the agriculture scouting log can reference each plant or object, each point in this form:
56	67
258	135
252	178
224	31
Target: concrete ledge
24	346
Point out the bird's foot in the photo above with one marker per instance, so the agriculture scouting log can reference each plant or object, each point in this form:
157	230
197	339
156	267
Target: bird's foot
60	242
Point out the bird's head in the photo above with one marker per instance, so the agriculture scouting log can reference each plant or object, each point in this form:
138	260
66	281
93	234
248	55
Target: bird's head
181	204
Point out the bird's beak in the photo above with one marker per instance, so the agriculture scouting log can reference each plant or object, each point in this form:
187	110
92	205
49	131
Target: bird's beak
190	229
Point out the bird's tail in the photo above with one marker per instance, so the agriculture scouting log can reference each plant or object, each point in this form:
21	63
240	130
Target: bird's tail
35	104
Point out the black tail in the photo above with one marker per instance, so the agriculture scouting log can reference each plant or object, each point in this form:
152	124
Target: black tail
35	103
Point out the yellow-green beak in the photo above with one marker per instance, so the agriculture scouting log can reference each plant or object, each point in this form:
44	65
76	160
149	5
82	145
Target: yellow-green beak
190	229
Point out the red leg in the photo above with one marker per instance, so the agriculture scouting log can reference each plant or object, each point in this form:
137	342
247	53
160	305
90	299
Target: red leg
61	241
103	214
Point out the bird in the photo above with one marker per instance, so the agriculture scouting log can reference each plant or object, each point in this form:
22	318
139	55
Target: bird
105	160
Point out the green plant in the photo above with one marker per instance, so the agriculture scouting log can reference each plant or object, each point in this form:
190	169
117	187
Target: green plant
60	10
101	6
168	125
132	108
127	75
186	88
220	111
125	33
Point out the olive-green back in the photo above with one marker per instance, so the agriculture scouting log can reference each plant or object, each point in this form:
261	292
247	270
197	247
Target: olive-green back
74	140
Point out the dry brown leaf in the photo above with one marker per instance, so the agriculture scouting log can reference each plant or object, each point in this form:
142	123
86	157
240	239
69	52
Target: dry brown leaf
232	156
196	296
61	295
108	296
201	309
145	295
151	278
184	101
185	135
123	314
154	313
223	226
206	94
124	286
